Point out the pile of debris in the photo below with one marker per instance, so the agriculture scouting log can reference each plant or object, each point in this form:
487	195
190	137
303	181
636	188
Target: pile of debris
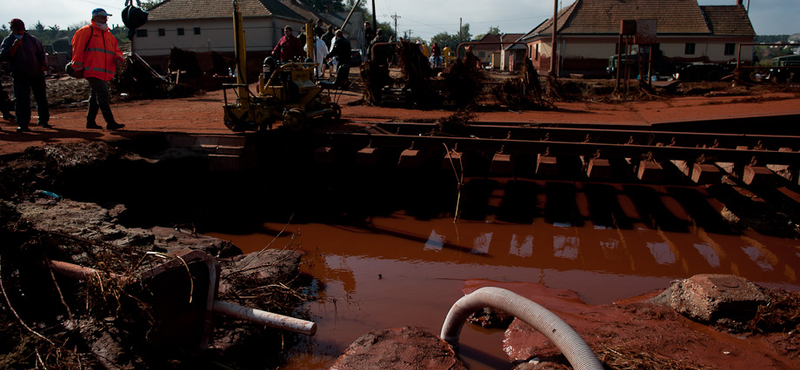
81	290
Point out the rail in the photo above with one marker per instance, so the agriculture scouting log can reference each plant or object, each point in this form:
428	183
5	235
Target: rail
663	145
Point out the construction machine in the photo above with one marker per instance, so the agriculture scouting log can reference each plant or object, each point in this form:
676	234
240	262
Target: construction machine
287	91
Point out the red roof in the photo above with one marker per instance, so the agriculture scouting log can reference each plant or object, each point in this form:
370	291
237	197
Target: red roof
672	16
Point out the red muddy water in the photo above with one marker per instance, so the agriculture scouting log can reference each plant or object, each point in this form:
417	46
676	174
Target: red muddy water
401	271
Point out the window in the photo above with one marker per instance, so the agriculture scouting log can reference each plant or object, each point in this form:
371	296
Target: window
730	49
141	33
197	30
162	32
537	52
180	31
689	48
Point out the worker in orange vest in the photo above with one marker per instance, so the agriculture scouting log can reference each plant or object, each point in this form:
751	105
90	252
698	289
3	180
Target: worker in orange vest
96	57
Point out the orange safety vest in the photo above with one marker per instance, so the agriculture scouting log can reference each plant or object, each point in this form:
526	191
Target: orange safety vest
94	51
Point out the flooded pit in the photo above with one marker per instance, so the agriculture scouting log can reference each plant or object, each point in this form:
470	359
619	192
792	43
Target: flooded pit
604	241
383	248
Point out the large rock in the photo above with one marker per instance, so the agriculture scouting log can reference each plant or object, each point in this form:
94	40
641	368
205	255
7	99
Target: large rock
399	348
711	298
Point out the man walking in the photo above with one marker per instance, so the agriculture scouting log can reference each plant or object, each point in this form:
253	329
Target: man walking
96	57
26	55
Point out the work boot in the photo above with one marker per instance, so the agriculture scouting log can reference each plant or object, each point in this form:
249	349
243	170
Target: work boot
111	124
114	126
93	125
8	116
23	129
45	125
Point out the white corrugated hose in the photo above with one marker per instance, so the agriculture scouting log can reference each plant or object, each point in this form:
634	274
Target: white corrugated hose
568	341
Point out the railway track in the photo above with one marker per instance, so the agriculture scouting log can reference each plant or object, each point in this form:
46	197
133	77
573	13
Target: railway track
703	157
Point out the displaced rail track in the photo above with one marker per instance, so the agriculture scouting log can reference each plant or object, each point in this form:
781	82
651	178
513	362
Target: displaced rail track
703	157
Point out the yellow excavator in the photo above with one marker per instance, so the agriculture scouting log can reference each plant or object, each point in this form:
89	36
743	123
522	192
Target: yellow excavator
288	91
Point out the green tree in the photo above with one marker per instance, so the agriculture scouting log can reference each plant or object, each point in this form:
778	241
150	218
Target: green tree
452	41
771	39
38	26
147	5
492	31
323	6
387	27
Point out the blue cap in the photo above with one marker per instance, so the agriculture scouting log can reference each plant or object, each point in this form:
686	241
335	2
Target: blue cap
101	12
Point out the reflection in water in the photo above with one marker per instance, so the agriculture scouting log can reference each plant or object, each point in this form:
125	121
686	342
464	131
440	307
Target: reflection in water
661	252
757	256
708	253
435	242
401	270
481	244
522	250
565	246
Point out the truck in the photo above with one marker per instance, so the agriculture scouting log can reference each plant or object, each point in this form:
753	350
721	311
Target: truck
666	67
785	68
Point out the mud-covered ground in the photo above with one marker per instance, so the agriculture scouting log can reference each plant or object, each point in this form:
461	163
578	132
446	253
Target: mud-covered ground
53	321
121	317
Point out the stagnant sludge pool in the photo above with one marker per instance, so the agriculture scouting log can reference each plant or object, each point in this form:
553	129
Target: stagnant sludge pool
404	270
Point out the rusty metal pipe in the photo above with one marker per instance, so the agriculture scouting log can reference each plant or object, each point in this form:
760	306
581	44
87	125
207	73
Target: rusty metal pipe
75	271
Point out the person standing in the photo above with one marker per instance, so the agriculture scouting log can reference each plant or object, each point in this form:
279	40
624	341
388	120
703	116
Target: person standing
369	35
437	55
327	37
380	56
320	50
96	57
288	47
340	50
28	63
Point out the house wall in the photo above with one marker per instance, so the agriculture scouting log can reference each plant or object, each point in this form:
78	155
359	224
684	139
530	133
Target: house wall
589	55
261	34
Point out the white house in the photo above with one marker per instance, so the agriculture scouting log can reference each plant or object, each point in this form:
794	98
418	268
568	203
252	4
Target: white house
588	33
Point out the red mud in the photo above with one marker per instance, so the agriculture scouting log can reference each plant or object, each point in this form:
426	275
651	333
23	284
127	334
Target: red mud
623	323
637	326
202	114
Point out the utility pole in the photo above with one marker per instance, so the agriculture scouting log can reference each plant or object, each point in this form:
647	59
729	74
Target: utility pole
374	17
459	30
408	34
396	32
554	53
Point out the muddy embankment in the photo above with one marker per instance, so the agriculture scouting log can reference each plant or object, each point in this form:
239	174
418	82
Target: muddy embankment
124	214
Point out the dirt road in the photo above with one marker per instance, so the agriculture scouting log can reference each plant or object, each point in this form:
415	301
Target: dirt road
203	114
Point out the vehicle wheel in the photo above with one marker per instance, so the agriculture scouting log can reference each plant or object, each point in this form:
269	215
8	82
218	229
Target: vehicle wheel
294	119
713	75
336	113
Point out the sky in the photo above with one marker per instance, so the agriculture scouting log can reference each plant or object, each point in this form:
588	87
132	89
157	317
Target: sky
423	18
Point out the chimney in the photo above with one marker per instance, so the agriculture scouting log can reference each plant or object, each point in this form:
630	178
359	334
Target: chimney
739	2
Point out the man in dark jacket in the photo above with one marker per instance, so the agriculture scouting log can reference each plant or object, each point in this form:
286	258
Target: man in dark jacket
369	35
28	63
341	50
